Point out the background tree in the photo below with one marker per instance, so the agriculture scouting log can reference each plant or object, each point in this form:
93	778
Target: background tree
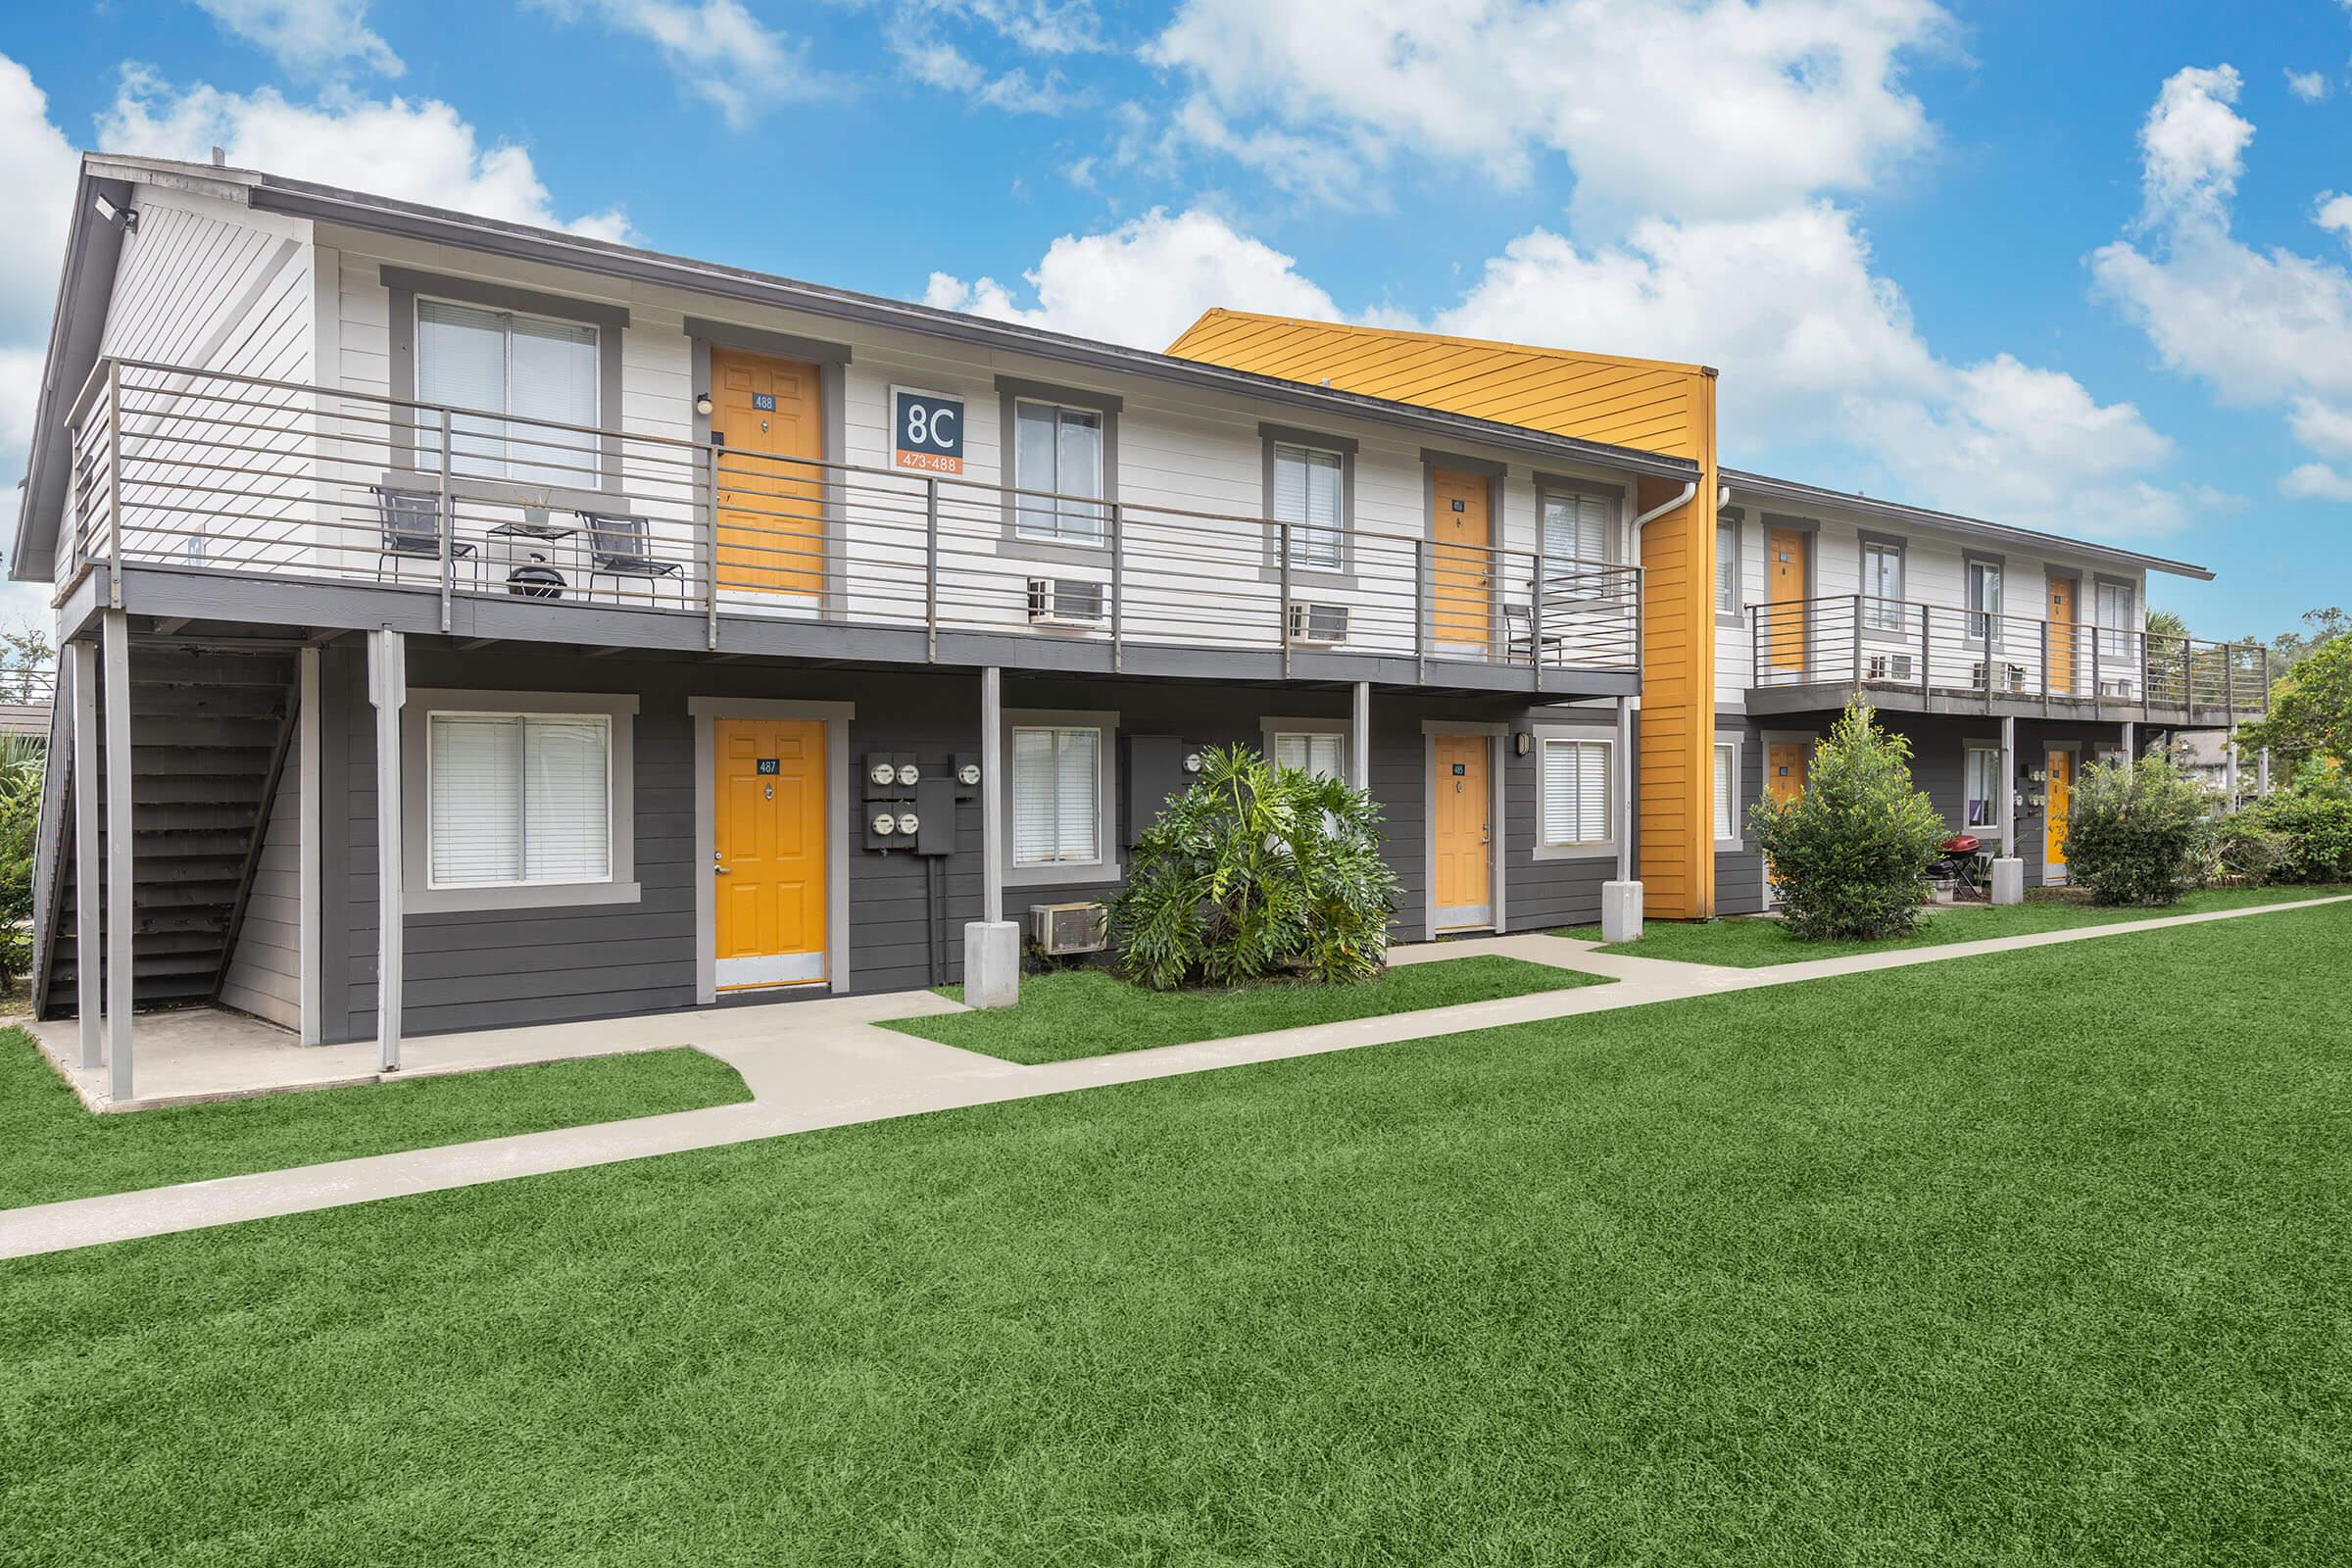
2311	710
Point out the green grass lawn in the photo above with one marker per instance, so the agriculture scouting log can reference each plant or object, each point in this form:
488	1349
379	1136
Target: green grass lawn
1754	942
51	1149
1849	1272
1090	1012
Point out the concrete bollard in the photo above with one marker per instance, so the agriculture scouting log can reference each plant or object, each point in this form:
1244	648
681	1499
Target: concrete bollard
2008	881
992	964
1620	912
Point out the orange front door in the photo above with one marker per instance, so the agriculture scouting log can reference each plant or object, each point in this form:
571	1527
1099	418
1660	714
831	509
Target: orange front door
766	417
2063	615
769	838
1463	565
1788	556
1463	800
2059	794
1784	769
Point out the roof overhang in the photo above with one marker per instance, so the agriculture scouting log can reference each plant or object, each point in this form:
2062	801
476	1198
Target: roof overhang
1789	492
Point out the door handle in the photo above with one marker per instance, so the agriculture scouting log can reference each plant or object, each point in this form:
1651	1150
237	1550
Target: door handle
723	870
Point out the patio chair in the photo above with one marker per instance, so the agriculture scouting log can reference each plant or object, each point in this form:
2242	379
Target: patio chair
619	547
411	522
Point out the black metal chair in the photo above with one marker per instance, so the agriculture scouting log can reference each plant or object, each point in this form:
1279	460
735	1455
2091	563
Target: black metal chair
412	531
619	547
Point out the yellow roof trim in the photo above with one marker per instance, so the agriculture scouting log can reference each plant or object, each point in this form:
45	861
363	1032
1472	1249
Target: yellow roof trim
1402	335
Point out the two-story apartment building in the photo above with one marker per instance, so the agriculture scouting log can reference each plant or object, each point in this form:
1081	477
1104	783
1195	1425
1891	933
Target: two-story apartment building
474	624
2009	658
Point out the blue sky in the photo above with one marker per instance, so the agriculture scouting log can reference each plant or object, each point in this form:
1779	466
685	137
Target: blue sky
2071	267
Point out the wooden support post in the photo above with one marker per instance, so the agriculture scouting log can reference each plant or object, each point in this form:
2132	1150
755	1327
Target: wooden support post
122	855
388	691
89	868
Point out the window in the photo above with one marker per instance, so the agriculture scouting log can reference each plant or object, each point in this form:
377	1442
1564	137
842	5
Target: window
1576	540
1058	450
2115	623
1984	598
1727	791
1576	792
1984	786
526	368
514	800
1310	495
1056	794
1323	755
1882	585
1727	567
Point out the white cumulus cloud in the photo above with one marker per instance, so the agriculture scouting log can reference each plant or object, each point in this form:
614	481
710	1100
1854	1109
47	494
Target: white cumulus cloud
308	37
720	51
2310	86
2315	481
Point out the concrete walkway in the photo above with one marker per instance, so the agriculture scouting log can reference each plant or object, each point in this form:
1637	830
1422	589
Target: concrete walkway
835	1068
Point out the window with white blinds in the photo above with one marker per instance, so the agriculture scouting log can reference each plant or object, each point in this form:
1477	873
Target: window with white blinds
1983	787
1322	754
1576	792
1726	791
2115	606
1056	794
1727	567
515	799
1883	587
1576	539
499	363
1310	495
1058	450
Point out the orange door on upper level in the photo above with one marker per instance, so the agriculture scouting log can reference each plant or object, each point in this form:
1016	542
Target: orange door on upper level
1788	568
1461	565
768	417
2063	592
1462	805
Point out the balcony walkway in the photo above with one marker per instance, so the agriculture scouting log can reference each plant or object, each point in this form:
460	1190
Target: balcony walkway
830	1066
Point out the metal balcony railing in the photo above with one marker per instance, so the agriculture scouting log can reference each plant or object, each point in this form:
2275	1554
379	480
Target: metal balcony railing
1895	647
229	473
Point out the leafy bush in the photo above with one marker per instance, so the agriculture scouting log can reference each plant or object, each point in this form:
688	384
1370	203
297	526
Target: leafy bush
1849	856
2136	830
2313	821
1254	870
20	830
2242	852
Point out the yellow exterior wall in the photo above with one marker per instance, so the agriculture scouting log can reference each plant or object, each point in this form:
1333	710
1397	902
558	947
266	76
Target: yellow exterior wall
1649	405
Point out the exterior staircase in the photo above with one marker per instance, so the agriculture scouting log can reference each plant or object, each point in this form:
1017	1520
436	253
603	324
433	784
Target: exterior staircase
209	733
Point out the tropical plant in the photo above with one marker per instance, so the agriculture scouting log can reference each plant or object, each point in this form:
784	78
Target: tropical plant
1849	856
2136	830
1255	870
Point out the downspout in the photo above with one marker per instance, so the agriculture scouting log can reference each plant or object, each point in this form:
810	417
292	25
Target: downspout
1625	709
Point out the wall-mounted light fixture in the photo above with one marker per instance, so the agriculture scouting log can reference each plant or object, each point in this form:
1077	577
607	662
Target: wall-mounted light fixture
1191	761
702	404
1522	743
126	219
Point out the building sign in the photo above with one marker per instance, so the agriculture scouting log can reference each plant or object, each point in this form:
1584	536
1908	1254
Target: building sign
926	431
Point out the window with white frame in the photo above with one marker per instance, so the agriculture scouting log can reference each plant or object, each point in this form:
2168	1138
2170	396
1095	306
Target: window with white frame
1882	585
517	800
1983	786
1060	451
1056	794
1727	567
1576	793
510	370
1310	495
2116	622
1727	791
1983	599
1323	754
1576	544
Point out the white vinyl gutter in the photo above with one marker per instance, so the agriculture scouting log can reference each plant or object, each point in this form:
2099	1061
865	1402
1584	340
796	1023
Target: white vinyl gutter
1625	705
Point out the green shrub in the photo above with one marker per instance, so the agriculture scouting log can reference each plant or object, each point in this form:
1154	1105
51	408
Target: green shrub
2313	821
1255	870
21	764
1849	856
2136	830
2242	852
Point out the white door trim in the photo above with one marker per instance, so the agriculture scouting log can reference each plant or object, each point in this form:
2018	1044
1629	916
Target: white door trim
1497	830
836	717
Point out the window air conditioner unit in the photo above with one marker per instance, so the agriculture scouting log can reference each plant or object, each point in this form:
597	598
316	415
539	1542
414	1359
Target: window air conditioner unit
1890	666
1065	602
1059	929
2114	688
1326	624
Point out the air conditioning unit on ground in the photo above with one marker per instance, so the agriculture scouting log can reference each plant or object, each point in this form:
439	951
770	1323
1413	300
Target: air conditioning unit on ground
1059	929
1067	602
1890	666
1326	624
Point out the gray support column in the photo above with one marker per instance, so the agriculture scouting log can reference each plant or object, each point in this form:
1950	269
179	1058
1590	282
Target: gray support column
388	691
89	867
2008	788
121	854
1627	771
2131	741
313	988
1359	738
2230	767
2262	772
992	795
